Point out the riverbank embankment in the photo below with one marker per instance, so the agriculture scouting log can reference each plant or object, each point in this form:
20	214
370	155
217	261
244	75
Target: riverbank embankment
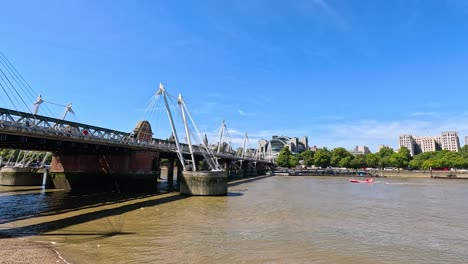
375	173
424	174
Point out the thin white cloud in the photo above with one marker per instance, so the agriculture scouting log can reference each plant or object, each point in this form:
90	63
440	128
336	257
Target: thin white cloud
235	132
241	112
323	5
427	114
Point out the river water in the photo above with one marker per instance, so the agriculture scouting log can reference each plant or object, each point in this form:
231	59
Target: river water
280	219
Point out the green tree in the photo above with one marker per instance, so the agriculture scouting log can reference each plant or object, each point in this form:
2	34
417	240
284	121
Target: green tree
418	160
293	161
372	160
427	164
385	152
439	159
464	152
384	155
449	159
322	158
404	151
346	162
284	158
359	161
401	158
338	154
308	157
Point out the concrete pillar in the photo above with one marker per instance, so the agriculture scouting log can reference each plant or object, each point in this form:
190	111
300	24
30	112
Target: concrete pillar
227	168
13	176
252	169
204	183
261	168
180	169
157	166
170	171
244	169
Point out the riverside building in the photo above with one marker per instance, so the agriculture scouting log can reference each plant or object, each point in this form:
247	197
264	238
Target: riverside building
271	148
360	150
446	141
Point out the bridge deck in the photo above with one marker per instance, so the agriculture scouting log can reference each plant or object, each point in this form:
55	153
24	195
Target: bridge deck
18	123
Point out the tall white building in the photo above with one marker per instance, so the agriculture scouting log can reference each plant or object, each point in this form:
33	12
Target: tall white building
408	142
446	141
426	144
449	141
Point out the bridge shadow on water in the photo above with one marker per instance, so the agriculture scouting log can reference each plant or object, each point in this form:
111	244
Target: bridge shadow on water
236	182
33	211
33	207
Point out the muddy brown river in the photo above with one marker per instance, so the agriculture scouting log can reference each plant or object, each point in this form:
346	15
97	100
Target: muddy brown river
279	219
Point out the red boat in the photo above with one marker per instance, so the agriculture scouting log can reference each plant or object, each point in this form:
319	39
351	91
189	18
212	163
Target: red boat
369	180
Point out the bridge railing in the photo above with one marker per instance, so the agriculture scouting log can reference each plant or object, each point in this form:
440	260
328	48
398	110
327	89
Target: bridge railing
20	123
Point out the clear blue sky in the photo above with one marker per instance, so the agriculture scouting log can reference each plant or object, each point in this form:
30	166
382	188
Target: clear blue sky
344	73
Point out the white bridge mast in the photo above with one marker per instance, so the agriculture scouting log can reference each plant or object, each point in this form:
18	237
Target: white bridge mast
223	127
209	156
187	132
67	109
162	92
246	138
38	102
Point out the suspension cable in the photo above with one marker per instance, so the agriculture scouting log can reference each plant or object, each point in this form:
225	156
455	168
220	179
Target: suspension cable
16	79
21	77
6	93
11	89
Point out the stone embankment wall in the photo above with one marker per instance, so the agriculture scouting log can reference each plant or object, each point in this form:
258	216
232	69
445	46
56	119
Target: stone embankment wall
375	173
422	174
14	176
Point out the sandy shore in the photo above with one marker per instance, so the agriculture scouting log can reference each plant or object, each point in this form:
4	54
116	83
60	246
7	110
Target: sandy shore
18	250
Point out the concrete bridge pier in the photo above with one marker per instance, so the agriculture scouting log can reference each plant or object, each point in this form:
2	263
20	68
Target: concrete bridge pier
170	171
95	171
156	168
251	169
227	168
15	176
180	170
244	169
232	170
261	168
236	171
205	183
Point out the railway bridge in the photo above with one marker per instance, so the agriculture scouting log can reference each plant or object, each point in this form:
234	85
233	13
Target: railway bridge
87	157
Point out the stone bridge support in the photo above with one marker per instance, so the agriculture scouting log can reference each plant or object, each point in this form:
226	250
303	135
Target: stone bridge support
118	171
262	168
174	166
251	169
170	171
232	169
180	170
245	168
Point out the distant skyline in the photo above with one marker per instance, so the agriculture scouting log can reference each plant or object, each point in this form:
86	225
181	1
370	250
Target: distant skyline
343	73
